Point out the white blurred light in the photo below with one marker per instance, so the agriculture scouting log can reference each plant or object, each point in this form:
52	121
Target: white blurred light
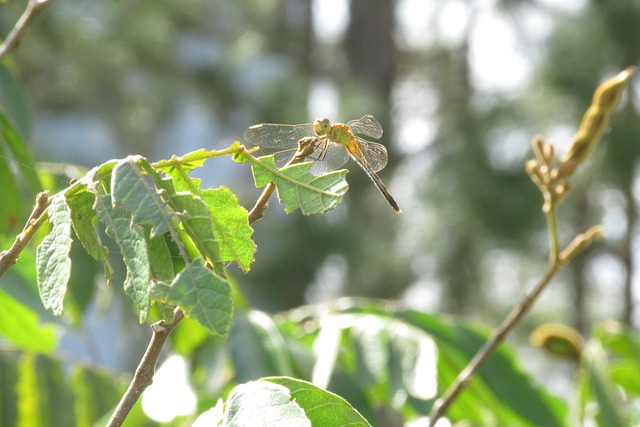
330	19
497	64
414	23
170	395
323	99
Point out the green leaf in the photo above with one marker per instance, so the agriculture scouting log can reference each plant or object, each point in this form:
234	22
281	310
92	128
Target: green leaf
201	294
196	221
133	247
229	220
323	408
162	270
84	219
298	189
14	99
19	325
134	190
262	404
95	394
20	152
43	397
610	412
12	203
230	226
52	257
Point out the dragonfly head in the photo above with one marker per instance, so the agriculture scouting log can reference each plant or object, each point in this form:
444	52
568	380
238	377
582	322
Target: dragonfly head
321	127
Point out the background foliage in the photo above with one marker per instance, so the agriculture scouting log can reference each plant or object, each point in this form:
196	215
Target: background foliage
96	80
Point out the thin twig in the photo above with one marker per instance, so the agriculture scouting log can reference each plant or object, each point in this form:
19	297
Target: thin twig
14	36
498	336
146	369
306	146
9	257
556	261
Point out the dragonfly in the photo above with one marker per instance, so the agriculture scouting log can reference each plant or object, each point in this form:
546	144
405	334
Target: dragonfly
336	143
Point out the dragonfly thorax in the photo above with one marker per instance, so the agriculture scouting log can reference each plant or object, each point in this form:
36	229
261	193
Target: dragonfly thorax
322	127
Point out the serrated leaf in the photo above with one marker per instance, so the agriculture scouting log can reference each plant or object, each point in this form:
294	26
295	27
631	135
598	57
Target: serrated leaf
298	189
135	191
196	221
52	257
84	219
201	294
263	404
322	407
162	270
133	247
229	219
231	226
19	325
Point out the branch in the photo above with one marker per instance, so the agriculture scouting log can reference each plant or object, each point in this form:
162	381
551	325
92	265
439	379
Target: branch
146	369
12	39
9	257
498	336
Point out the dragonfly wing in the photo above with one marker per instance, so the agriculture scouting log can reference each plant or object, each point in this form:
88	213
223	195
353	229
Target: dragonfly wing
335	156
366	125
271	135
282	157
376	154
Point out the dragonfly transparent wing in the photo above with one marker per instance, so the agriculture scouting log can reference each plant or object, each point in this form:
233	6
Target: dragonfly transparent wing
271	135
376	154
335	156
366	125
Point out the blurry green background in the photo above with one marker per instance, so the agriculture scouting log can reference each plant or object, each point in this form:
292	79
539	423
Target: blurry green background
460	88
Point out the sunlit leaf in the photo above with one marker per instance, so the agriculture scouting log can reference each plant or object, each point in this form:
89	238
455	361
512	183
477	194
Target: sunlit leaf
84	219
262	404
298	189
323	408
133	248
201	294
52	257
135	191
229	219
20	326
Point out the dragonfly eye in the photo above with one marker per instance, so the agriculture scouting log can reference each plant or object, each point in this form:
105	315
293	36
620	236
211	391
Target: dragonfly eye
321	127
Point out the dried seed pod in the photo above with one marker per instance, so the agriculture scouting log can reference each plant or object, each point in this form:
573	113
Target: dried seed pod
594	122
533	170
543	150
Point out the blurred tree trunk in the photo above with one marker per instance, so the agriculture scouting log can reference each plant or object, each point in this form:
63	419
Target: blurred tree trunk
370	49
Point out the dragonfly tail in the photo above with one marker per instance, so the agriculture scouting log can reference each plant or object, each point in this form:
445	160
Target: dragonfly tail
377	181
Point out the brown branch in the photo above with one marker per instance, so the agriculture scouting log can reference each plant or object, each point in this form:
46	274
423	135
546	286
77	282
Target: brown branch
9	257
306	146
12	39
146	369
498	336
